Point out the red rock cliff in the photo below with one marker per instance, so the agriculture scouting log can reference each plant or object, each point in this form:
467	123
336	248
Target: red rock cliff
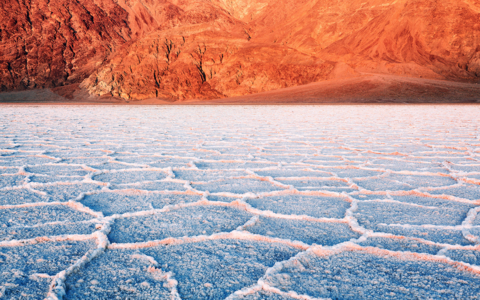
57	42
206	49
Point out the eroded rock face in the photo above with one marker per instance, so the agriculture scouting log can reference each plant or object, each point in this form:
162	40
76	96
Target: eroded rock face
178	67
442	37
207	49
57	42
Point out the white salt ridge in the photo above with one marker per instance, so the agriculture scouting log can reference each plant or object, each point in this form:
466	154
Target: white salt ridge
468	224
234	235
405	156
57	287
44	239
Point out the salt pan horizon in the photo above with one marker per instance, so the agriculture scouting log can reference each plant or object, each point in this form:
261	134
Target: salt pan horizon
240	202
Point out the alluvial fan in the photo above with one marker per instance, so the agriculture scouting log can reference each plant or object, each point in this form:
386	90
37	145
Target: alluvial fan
240	202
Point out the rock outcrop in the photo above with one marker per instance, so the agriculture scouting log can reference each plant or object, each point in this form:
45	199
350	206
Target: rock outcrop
418	37
57	42
207	49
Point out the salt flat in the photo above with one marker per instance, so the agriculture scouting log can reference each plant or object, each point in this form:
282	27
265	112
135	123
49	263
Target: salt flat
240	202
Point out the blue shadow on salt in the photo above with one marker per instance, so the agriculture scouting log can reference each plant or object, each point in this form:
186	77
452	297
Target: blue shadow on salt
128	177
86	161
31	216
360	275
369	214
469	256
229	166
21	196
308	232
313	206
202	175
216	269
11	180
352	172
119	274
120	203
465	191
293	173
438	235
52	179
17	161
153	186
237	186
318	185
400	244
226	199
261	295
22	267
112	165
116	203
57	170
68	191
190	221
20	233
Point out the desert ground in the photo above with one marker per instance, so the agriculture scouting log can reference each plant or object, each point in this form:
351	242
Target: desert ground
362	89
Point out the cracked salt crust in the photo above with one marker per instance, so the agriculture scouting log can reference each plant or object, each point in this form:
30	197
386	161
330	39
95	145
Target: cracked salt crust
240	202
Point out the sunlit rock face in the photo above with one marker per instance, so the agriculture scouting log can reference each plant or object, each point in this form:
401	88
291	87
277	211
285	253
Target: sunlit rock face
52	43
208	49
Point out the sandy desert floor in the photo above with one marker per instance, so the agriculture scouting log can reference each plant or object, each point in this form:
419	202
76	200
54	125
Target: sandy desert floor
362	89
240	202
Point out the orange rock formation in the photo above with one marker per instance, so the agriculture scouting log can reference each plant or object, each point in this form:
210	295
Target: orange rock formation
209	49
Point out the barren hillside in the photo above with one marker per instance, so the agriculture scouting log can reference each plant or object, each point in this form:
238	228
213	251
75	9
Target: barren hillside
209	49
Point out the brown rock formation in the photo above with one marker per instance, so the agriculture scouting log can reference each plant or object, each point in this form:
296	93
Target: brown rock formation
210	55
57	42
206	49
440	38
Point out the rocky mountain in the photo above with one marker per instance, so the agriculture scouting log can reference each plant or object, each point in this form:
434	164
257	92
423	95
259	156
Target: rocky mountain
209	49
57	42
